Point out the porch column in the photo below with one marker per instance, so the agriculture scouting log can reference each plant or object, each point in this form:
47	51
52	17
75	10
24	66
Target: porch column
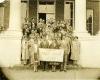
10	40
15	17
80	18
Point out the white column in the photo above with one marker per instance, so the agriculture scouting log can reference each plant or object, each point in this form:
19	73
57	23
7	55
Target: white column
15	15
15	19
80	18
10	40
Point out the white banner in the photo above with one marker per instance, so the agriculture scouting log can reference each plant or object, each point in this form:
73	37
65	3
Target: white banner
55	55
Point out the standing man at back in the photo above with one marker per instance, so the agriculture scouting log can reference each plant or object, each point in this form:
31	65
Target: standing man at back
44	44
65	44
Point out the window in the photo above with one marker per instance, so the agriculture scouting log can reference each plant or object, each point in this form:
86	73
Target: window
1	16
24	11
69	12
4	15
50	3
46	2
42	3
46	10
89	21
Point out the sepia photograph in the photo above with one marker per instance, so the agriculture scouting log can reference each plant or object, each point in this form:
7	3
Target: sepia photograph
49	39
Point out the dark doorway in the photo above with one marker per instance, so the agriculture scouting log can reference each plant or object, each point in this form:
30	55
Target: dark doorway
42	16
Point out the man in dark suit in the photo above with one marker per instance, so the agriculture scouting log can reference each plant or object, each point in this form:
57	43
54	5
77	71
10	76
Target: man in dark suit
65	44
44	44
54	45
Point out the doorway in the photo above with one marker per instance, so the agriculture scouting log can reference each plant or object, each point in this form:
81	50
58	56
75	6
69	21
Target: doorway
46	10
42	16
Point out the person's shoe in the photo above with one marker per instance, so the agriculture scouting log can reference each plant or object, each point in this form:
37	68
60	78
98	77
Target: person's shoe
53	70
61	70
65	70
43	70
36	71
75	65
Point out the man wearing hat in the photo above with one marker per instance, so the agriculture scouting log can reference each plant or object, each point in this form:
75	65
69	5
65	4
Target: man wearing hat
44	44
36	54
65	44
54	45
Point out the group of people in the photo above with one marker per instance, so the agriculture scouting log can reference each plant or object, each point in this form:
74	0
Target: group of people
52	35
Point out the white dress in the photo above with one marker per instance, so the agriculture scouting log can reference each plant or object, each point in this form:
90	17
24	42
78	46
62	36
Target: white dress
75	50
31	50
25	52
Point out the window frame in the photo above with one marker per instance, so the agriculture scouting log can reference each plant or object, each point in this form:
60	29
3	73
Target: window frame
73	20
91	10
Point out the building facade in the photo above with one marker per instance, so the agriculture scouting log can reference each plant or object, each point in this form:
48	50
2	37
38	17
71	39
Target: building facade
60	10
83	15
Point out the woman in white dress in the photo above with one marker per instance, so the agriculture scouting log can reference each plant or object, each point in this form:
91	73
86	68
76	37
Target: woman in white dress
25	51
75	50
36	54
31	50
